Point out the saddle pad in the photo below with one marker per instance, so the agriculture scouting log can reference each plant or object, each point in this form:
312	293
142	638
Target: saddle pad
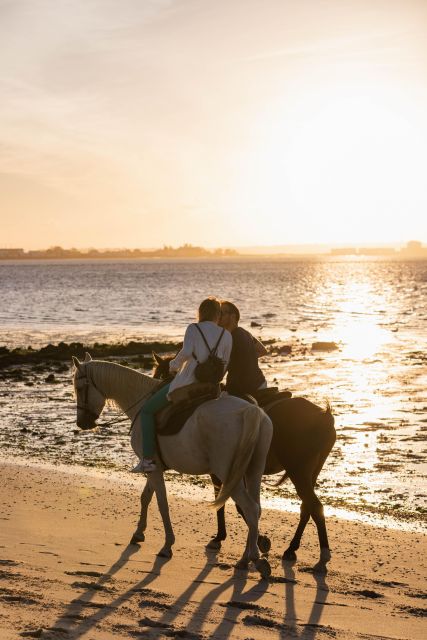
169	421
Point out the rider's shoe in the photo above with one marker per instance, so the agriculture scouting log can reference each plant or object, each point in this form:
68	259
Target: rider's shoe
145	465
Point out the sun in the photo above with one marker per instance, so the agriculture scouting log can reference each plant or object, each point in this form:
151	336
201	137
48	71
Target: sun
346	169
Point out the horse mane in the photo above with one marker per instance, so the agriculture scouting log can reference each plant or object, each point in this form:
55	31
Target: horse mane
133	384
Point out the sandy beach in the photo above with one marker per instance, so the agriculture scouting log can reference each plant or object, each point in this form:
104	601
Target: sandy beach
67	570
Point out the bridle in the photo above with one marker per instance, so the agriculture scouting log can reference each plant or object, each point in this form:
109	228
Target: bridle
122	417
85	406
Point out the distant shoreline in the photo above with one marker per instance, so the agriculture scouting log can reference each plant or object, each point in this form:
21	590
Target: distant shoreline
413	250
236	258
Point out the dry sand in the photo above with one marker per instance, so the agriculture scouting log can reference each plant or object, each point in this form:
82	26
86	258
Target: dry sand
66	570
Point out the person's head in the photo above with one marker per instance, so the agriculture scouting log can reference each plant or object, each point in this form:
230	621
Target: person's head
210	309
230	315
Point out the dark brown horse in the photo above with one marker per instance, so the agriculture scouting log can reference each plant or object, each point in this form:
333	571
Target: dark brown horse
303	436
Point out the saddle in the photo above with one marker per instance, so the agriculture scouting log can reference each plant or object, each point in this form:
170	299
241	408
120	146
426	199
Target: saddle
266	398
171	419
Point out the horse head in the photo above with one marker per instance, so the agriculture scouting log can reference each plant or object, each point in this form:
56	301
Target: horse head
161	370
90	401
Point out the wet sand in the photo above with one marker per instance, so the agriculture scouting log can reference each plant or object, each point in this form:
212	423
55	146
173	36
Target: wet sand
376	468
67	571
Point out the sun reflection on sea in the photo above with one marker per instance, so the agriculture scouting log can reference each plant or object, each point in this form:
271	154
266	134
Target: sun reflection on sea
357	321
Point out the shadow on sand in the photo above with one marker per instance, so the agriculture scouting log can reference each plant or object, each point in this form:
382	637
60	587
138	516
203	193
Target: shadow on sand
76	621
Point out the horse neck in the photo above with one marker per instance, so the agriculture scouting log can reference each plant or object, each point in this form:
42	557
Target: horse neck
124	386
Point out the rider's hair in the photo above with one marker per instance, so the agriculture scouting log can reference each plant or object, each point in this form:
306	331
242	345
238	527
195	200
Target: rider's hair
231	308
209	309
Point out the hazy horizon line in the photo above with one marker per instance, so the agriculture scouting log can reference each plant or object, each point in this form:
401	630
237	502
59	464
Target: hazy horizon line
270	248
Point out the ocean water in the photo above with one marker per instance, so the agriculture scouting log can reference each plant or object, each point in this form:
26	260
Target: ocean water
376	380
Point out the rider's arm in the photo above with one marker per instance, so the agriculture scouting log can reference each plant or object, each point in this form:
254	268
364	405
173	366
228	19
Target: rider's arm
260	350
186	352
228	344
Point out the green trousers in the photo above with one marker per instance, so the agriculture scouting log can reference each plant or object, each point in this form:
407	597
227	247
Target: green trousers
151	407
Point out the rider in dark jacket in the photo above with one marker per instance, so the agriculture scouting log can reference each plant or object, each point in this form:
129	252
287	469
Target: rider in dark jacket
244	374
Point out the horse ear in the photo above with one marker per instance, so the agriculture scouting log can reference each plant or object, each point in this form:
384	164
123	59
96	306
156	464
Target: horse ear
157	358
76	363
88	357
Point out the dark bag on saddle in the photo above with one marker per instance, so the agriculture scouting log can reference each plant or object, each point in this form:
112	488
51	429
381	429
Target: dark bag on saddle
213	368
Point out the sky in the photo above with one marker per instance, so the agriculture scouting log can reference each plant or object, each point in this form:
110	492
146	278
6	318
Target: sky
215	122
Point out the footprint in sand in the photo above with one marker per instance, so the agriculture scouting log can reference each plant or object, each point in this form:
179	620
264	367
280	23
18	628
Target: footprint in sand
418	612
90	574
90	605
160	595
242	605
92	586
169	629
18	599
260	621
368	593
153	604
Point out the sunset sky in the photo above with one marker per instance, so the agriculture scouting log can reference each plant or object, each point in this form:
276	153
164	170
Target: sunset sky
216	122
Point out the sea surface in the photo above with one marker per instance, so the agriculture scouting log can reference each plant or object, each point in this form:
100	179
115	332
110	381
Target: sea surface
375	311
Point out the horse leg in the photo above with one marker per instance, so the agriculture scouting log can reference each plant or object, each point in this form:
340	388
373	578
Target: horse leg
215	542
290	554
264	544
251	510
158	481
146	496
311	506
253	486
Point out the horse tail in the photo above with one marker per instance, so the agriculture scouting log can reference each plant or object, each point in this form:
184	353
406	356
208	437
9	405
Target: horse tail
251	428
280	480
329	422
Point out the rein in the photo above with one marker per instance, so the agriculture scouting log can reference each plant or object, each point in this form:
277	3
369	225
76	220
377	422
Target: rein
122	417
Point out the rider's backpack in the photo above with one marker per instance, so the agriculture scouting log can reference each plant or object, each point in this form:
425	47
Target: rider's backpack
213	368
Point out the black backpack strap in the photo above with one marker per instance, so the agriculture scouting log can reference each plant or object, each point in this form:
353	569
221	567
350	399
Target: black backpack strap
217	344
204	339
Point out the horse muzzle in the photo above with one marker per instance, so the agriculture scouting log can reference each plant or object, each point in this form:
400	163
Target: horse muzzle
87	421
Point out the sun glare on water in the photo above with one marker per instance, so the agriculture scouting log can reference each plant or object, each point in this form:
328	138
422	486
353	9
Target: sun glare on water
357	325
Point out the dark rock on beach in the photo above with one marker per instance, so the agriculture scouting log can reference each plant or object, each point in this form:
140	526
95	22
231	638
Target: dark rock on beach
284	349
63	352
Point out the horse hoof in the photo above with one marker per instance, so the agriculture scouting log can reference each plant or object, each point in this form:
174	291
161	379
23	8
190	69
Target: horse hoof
320	568
165	553
242	564
263	567
325	555
264	544
289	556
214	544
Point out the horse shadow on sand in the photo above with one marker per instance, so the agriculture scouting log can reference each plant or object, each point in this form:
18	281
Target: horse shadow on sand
75	621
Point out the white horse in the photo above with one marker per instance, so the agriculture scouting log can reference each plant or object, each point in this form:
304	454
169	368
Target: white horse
227	437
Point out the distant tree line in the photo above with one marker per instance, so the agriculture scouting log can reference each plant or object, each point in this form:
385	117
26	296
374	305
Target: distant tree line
185	251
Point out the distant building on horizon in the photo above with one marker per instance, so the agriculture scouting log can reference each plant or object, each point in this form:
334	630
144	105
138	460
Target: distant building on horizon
414	249
12	253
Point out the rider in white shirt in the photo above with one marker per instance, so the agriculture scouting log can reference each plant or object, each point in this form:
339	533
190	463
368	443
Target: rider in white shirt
194	350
